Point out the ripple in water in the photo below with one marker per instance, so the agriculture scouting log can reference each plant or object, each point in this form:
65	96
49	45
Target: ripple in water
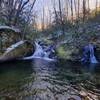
43	80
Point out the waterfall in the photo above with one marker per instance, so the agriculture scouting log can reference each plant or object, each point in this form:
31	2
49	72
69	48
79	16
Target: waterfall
88	54
92	56
40	52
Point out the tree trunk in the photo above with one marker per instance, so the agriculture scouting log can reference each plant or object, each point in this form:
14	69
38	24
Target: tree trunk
61	16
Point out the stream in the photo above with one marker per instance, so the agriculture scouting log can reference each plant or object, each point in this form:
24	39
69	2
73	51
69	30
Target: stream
40	79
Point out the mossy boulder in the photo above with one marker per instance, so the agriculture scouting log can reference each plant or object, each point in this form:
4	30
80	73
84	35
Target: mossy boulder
8	36
17	50
68	52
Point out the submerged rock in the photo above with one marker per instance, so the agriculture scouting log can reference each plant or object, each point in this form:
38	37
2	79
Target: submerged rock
17	50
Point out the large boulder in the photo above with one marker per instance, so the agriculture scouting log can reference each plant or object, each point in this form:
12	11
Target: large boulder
17	50
68	52
8	36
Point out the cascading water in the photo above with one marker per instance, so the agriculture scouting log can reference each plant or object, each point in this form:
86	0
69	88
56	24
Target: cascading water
88	54
92	56
41	53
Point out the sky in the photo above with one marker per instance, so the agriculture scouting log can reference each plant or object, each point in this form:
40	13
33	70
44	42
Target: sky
48	6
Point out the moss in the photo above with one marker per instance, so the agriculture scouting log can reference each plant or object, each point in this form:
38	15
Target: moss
68	52
48	41
18	52
61	52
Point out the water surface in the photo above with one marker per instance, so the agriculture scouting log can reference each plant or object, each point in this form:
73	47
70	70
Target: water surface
43	80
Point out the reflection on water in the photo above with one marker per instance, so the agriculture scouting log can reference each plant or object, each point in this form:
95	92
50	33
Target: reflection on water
43	80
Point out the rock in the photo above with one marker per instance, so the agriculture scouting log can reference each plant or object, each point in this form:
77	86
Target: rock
17	50
10	28
68	52
82	93
8	36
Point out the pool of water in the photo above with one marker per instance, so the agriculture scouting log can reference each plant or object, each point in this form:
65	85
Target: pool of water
43	80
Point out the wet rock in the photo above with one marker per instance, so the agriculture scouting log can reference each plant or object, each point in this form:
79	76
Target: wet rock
68	52
82	93
17	50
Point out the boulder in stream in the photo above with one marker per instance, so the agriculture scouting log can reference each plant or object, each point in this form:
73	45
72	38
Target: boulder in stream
17	50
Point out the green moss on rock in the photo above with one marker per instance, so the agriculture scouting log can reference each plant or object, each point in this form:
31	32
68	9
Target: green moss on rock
20	51
68	52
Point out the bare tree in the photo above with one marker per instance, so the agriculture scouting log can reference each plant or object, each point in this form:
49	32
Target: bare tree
42	19
96	7
75	7
67	8
12	10
71	5
78	9
84	10
88	4
50	17
29	18
55	13
61	16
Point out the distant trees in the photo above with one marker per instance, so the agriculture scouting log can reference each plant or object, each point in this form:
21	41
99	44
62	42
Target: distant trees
58	14
71	6
68	15
42	19
61	16
96	7
78	8
84	10
18	13
14	12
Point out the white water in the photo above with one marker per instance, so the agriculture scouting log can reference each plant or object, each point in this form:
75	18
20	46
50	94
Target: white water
92	56
39	53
